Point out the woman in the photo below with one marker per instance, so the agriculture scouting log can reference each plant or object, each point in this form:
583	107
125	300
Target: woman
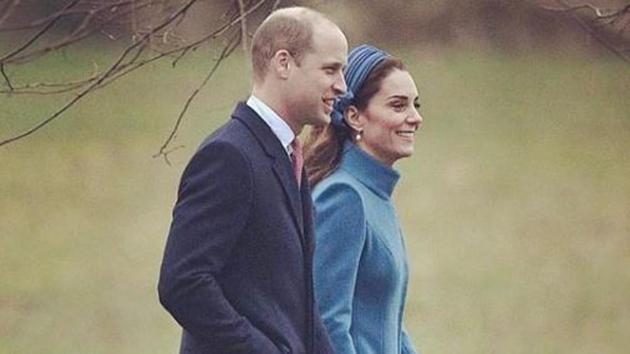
360	267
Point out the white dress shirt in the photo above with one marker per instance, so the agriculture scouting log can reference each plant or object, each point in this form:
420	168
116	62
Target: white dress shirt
279	127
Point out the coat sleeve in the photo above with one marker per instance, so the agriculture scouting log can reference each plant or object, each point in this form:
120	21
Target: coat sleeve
407	346
340	228
210	214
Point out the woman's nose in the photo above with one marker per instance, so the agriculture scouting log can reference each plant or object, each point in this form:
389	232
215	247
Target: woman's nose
415	118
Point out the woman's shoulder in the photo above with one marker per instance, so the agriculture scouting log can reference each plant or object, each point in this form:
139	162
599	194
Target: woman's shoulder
337	197
339	182
339	186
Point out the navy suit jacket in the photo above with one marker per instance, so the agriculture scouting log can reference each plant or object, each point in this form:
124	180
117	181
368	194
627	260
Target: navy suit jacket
237	268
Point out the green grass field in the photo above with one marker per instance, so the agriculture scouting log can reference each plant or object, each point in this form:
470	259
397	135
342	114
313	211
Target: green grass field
516	205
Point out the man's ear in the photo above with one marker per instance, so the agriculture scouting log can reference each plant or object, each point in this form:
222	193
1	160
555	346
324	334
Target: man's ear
281	63
354	119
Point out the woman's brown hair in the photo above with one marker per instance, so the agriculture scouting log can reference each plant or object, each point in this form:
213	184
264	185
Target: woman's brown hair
324	144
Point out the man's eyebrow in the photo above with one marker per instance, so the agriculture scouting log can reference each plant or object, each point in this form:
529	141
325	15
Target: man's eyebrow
335	65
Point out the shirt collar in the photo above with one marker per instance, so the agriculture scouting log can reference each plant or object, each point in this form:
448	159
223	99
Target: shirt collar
279	127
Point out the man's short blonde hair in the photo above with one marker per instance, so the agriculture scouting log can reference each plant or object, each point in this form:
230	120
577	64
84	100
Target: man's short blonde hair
290	29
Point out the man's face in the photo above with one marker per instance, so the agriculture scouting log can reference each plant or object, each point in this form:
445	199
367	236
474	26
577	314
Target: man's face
318	81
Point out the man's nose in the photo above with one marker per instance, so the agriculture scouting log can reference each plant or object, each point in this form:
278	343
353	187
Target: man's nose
339	85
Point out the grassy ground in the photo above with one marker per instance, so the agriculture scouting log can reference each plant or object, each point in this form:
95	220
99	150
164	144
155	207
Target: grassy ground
515	206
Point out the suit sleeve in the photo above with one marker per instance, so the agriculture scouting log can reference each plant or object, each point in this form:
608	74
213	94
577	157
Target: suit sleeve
340	228
211	212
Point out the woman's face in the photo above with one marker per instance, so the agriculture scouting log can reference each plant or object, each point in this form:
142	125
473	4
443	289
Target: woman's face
391	119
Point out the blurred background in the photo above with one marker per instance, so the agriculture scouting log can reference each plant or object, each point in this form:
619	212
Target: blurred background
515	205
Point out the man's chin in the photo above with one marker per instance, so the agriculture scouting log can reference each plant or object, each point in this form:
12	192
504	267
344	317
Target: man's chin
320	121
324	119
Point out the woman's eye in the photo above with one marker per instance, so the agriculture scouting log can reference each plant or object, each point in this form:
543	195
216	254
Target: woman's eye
398	107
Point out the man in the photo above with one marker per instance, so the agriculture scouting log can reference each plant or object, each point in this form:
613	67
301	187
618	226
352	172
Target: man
237	269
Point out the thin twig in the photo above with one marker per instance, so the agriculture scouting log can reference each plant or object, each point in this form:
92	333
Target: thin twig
28	89
181	55
37	35
65	12
5	76
616	14
212	35
119	69
65	42
568	8
594	34
96	83
224	53
182	50
8	10
241	9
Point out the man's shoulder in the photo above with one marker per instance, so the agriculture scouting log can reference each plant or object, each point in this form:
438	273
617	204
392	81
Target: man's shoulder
233	133
224	149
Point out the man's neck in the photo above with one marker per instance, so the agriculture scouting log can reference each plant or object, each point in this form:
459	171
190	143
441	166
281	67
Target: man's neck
275	102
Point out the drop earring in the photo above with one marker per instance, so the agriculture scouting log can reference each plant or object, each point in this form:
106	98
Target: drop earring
358	136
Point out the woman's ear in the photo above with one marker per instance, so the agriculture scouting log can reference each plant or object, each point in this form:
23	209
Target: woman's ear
281	63
354	119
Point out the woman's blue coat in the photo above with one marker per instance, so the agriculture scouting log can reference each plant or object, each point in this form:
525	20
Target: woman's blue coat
361	270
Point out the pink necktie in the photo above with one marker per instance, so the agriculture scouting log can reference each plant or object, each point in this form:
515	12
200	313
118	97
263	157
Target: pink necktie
298	159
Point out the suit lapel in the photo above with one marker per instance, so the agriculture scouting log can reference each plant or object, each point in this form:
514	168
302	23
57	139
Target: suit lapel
307	211
284	172
281	165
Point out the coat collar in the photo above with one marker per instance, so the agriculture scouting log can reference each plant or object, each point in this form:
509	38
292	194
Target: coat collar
282	166
372	173
263	133
279	126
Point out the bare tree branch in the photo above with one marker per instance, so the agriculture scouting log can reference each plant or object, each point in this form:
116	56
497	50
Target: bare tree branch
6	78
241	9
181	55
192	46
47	88
605	17
67	105
130	61
275	5
75	37
227	50
101	7
37	35
7	10
102	78
566	8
